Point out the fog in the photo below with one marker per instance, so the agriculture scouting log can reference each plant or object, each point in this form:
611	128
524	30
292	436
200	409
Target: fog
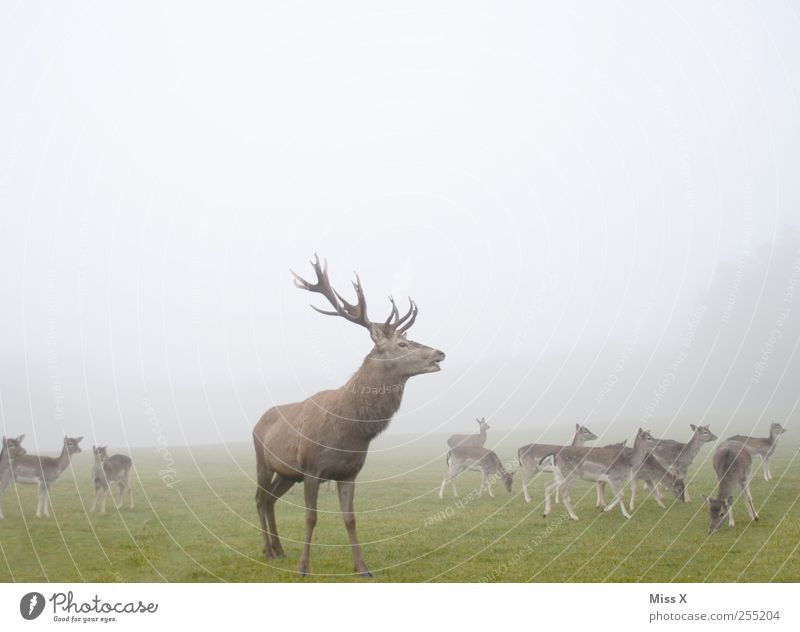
596	209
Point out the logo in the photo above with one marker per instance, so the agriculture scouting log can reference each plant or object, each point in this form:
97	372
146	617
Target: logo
31	605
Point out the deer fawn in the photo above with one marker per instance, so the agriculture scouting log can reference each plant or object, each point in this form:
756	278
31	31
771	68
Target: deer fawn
677	457
762	447
327	436
530	457
611	465
110	470
473	440
11	448
476	459
733	465
44	471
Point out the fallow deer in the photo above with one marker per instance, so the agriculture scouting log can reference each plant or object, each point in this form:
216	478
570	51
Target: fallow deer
611	465
327	436
733	465
11	448
677	457
476	459
108	470
652	474
44	471
763	447
470	440
530	457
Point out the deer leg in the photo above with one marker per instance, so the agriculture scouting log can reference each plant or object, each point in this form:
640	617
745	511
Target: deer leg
311	490
347	492
447	479
600	486
565	496
279	487
94	500
46	501
527	477
658	497
263	485
767	471
548	489
130	493
488	483
618	499
103	500
634	488
748	499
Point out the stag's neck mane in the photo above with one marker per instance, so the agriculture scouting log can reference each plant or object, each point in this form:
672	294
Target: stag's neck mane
371	397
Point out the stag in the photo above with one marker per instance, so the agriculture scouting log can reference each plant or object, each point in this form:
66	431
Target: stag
327	436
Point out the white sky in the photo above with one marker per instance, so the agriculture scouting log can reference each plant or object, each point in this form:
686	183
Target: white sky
547	180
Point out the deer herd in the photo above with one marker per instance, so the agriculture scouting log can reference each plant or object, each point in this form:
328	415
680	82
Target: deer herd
17	466
326	437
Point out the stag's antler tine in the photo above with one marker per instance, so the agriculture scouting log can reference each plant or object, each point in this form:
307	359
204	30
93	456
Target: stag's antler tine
341	307
300	281
400	321
413	310
324	311
392	314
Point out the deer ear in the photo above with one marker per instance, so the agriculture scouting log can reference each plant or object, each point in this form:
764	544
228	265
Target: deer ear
693	427
20	438
706	499
577	426
78	439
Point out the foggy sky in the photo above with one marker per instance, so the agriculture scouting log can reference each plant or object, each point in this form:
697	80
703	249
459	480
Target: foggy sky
594	207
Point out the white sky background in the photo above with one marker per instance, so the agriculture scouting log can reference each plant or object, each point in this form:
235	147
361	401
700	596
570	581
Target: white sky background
576	195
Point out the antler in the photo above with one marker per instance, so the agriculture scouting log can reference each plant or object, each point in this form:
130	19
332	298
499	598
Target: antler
354	313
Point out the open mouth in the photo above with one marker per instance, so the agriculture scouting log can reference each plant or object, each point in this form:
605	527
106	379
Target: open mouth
434	365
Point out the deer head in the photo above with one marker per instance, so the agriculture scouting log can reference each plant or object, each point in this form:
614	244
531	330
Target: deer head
644	436
100	453
583	433
703	434
776	429
508	479
717	511
71	444
14	446
678	488
482	425
395	352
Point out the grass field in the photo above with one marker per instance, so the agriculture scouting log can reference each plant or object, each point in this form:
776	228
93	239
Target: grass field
202	526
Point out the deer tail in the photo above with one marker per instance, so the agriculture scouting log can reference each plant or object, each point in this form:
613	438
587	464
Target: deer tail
551	456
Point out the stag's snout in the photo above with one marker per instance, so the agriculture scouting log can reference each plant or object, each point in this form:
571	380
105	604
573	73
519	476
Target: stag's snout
437	357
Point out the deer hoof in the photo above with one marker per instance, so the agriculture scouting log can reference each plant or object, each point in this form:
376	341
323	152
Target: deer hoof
366	574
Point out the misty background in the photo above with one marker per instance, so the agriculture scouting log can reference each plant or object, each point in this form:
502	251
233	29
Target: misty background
596	209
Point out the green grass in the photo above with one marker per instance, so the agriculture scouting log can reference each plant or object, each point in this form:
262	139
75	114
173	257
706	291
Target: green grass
204	528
